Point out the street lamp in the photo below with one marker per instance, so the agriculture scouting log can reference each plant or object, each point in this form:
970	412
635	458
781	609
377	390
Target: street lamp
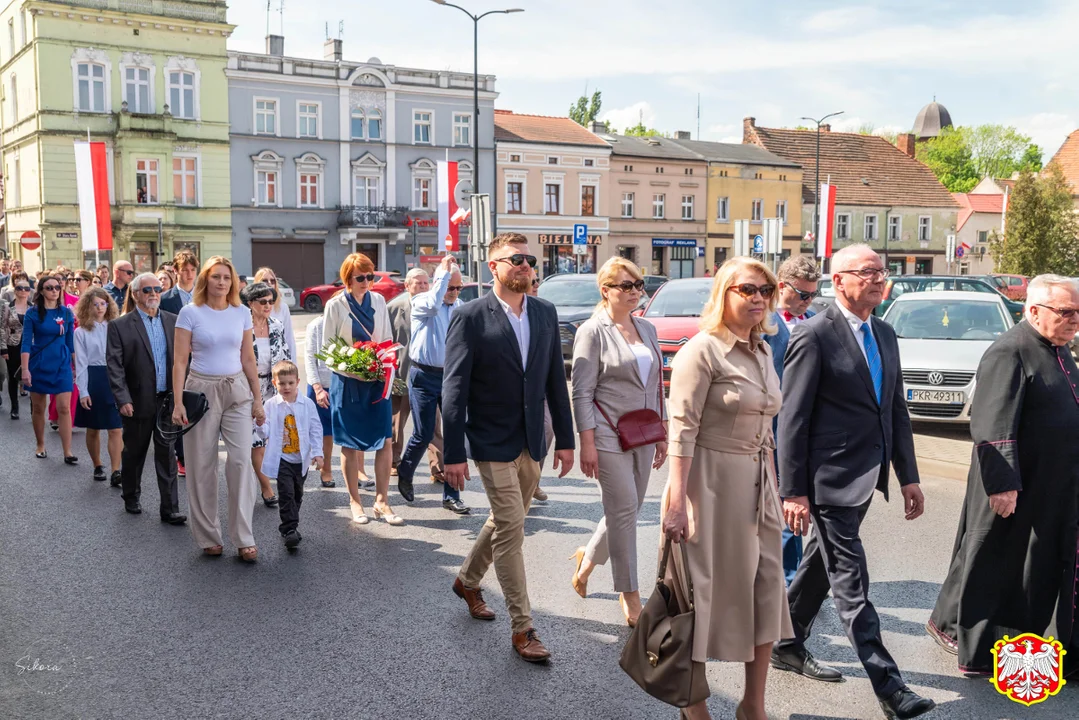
816	188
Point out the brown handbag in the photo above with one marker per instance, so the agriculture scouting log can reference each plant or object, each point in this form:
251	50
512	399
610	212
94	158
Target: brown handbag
659	653
639	427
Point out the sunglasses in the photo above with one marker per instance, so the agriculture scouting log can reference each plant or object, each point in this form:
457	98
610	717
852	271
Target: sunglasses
127	272
263	301
82	279
50	288
1064	313
270	281
535	282
627	285
22	288
369	277
748	290
806	296
454	288
518	259
155	289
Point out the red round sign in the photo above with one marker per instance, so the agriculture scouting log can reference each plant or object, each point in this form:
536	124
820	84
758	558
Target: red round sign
30	240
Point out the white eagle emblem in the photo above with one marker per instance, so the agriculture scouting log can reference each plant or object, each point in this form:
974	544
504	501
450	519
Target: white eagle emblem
1028	668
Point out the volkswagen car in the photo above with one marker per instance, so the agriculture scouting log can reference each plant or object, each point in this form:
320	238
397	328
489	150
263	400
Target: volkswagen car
942	337
675	311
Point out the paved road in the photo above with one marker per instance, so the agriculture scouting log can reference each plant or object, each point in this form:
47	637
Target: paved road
360	623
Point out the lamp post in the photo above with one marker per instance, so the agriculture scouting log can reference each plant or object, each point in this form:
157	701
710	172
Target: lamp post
816	188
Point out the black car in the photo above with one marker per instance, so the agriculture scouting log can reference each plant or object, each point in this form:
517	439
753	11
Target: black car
470	291
901	284
653	283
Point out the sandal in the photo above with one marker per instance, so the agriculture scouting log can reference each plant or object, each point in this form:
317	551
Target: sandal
249	554
41	455
213	551
389	516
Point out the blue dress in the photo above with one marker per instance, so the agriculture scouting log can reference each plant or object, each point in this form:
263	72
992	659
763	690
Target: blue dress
50	343
361	419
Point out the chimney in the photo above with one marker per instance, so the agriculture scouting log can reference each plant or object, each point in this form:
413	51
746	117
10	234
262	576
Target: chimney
749	130
275	45
331	50
905	143
683	135
826	127
599	128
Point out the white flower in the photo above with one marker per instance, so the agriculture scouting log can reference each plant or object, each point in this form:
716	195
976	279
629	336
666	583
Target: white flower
342	366
352	351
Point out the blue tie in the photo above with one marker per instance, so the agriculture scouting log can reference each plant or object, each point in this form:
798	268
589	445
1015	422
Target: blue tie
872	356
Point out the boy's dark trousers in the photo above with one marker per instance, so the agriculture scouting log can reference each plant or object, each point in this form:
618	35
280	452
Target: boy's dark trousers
290	479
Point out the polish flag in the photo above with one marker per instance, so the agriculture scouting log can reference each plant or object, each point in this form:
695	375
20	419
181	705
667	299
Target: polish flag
92	184
462	215
827	220
449	232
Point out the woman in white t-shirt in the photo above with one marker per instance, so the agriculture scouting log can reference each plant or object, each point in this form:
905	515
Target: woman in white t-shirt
215	330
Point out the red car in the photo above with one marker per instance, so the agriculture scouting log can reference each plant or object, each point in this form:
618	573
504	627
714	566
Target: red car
388	285
1014	286
675	310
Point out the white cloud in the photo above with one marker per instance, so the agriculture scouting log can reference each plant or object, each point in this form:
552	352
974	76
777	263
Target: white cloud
1047	130
627	117
843	19
854	123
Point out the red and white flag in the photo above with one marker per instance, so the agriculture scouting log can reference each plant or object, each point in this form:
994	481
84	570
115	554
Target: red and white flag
92	184
449	233
827	220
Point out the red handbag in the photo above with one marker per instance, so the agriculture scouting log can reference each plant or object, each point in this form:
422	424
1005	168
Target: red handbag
639	427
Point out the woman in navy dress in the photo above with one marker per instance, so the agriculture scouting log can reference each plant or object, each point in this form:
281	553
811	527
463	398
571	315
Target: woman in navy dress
48	346
361	419
96	408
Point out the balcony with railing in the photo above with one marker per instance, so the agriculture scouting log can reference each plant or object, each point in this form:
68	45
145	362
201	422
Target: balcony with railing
372	216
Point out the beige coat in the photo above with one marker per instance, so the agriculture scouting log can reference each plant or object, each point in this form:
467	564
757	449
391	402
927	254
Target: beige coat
724	394
338	320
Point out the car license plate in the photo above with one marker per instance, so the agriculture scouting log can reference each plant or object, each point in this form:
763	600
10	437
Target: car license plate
944	397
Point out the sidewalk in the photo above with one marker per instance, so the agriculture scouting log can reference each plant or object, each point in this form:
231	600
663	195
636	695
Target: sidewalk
943	451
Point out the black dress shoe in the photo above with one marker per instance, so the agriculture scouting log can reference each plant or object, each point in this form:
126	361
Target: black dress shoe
174	518
115	480
99	473
133	507
404	486
292	539
455	506
905	703
800	661
270	501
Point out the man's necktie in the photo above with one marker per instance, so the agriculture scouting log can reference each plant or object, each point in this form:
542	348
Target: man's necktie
872	356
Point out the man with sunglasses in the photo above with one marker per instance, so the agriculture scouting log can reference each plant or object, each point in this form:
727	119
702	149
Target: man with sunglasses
843	423
1016	553
122	274
503	359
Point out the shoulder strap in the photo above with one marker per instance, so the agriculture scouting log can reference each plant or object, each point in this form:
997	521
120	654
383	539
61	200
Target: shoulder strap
604	414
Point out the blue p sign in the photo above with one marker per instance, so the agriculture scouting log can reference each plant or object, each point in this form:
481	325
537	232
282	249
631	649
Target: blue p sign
580	234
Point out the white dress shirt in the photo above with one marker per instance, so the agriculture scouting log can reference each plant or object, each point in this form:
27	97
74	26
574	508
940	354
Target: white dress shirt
89	351
855	323
520	328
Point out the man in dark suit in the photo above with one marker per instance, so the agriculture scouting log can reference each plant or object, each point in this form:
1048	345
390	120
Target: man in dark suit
798	280
139	354
503	359
843	422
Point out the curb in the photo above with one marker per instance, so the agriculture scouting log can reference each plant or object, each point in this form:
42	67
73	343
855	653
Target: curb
941	469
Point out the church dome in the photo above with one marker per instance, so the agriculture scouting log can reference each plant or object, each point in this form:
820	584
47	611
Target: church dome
933	118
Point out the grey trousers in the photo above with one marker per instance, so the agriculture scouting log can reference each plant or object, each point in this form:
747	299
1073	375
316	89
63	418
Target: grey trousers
623	482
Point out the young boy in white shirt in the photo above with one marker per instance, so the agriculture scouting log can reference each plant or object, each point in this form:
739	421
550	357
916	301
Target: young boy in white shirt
293	434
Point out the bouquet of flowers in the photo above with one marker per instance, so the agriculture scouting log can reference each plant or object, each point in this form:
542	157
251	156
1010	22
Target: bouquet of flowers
363	360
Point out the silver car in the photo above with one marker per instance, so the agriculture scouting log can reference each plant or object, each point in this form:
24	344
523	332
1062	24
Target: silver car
942	337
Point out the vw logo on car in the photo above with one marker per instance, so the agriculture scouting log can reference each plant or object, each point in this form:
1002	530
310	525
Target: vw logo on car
935	378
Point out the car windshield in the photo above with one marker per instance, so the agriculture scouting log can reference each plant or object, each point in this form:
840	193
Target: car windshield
680	299
571	291
946	320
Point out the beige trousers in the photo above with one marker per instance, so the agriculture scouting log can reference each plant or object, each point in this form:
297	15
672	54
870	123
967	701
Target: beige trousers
623	482
401	410
229	418
509	486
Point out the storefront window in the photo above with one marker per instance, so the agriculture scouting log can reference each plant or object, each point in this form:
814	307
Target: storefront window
628	252
561	259
657	261
682	260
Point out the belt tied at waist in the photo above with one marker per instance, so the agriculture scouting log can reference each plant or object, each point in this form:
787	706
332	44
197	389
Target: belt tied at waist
762	451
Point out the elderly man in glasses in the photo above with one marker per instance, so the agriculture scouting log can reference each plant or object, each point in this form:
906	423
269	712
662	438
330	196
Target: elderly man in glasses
122	272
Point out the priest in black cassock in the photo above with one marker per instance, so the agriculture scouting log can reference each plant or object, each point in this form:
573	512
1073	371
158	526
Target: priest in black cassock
1016	554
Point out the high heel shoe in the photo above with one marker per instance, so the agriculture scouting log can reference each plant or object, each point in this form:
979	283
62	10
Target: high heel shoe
389	516
631	621
579	586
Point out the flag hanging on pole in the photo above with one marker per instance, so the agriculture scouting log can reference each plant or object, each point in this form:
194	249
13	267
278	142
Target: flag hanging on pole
827	220
449	233
92	184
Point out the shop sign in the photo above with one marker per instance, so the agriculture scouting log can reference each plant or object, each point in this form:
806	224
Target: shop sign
669	242
429	222
546	239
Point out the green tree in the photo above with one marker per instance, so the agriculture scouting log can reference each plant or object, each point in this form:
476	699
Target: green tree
1041	229
641	130
583	112
950	158
960	157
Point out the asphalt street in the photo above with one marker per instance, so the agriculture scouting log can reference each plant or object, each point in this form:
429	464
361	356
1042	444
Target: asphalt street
127	619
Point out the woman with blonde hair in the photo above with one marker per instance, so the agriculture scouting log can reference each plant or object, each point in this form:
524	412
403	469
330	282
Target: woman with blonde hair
214	337
722	499
96	409
617	369
280	312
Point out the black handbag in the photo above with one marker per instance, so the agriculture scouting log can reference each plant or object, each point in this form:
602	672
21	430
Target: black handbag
195	404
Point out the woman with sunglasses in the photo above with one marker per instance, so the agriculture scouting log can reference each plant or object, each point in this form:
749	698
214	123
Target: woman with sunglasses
270	349
71	293
281	312
724	394
96	409
11	324
361	419
48	346
83	280
617	369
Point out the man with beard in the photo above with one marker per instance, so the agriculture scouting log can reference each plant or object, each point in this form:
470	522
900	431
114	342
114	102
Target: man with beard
503	359
1016	552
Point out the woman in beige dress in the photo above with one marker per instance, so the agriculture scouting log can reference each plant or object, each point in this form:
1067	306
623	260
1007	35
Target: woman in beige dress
722	499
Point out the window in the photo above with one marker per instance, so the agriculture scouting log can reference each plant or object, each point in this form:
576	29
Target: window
359	124
983	236
895	228
421	128
307	120
265	117
91	87
723	209
462	129
309	180
782	178
757	176
137	89
146	182
367	191
11	35
870	228
14	99
309	193
421	194
588	200
551	198
15	196
22	26
552	161
627	204
266	187
515	158
589	162
757	211
781	210
687	207
627	168
184	185
514	191
374	126
842	226
925	227
658	203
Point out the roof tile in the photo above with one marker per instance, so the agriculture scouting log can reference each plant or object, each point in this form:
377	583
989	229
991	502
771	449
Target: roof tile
511	127
1067	158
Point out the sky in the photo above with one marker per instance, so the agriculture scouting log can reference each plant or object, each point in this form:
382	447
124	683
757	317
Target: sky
776	60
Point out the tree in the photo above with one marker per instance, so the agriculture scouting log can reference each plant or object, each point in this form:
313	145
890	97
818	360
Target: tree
641	130
960	157
950	158
1041	229
584	112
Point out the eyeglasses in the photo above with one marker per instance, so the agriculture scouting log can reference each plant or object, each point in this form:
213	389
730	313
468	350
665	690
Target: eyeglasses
806	296
262	301
147	289
50	288
454	288
67	278
518	259
748	290
22	288
1064	313
82	279
535	282
870	274
627	285
369	277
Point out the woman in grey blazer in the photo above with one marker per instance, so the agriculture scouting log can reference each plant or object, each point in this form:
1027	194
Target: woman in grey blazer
617	365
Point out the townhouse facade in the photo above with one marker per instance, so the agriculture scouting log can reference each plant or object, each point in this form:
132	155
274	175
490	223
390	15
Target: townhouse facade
148	80
332	156
981	214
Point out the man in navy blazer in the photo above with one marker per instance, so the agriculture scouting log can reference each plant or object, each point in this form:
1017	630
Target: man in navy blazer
503	359
798	280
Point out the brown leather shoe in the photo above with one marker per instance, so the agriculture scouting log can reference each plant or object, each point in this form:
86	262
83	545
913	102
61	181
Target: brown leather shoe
477	608
528	646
